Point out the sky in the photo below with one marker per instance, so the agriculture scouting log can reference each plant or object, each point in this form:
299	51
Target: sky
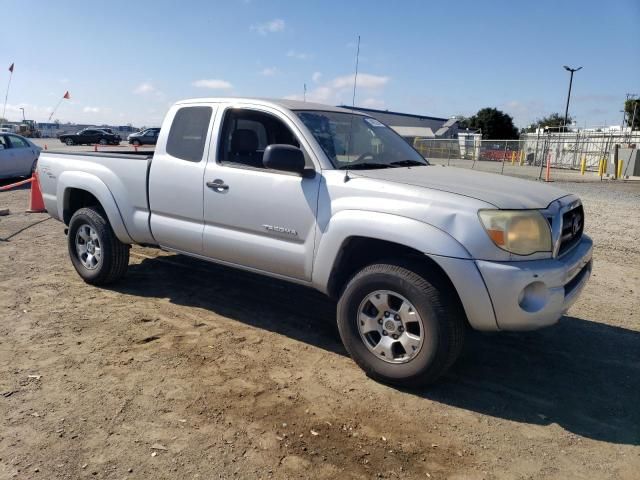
127	62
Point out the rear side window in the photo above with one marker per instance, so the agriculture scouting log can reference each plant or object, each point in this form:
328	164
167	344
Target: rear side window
188	133
17	142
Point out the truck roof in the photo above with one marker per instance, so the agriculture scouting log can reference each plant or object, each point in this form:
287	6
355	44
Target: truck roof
275	102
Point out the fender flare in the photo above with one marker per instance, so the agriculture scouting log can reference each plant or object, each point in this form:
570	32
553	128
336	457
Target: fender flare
97	188
405	231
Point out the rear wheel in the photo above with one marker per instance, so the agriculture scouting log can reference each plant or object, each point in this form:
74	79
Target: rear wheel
103	141
400	326
96	253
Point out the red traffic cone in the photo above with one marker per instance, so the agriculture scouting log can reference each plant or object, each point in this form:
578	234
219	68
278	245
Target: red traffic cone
36	205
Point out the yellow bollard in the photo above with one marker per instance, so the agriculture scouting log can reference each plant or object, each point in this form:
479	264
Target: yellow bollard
513	158
600	167
583	165
620	163
521	157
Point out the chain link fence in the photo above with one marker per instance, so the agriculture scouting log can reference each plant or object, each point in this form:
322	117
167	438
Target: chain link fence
528	157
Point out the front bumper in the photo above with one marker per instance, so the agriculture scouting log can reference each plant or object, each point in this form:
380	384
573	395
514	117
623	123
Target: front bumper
533	294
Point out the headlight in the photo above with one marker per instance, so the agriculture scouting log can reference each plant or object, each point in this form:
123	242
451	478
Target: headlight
522	232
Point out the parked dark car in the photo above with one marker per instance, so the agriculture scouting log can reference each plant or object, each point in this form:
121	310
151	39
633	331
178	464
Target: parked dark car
90	136
148	136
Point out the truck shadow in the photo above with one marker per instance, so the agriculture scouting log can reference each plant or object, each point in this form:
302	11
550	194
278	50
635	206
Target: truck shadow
582	375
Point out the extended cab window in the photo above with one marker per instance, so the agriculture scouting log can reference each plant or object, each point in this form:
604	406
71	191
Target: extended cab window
246	134
188	133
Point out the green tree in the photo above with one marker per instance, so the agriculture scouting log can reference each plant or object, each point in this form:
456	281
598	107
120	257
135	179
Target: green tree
629	107
553	121
494	124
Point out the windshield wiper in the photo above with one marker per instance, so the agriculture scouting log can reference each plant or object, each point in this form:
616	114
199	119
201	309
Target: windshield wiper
408	163
364	166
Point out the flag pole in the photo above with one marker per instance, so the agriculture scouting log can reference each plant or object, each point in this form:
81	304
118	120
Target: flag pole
6	96
55	108
65	96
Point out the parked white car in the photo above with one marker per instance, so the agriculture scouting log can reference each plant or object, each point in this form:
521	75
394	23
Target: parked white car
18	156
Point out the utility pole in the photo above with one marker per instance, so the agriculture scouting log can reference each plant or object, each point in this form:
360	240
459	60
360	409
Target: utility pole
22	108
566	110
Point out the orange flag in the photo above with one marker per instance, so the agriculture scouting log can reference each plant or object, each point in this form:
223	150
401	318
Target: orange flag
66	95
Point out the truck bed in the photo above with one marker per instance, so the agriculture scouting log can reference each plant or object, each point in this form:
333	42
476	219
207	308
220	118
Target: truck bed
111	176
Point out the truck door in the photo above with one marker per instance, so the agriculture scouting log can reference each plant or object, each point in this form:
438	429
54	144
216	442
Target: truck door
254	217
176	177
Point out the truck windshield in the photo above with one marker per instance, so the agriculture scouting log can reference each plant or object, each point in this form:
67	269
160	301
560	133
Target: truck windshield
353	141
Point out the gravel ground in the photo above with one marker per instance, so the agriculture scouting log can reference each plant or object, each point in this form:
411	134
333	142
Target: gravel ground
189	370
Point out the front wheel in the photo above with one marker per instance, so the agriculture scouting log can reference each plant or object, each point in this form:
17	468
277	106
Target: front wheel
103	141
137	143
96	253
399	326
69	141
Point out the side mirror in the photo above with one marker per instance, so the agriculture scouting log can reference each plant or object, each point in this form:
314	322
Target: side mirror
286	158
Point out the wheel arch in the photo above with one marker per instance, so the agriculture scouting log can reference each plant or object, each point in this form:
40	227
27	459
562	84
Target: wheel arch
77	190
353	239
357	252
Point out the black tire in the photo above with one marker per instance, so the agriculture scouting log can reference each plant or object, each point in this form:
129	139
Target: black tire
137	143
34	166
442	317
104	141
69	141
114	254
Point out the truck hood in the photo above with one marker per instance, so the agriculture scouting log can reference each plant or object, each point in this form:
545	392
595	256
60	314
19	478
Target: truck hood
499	190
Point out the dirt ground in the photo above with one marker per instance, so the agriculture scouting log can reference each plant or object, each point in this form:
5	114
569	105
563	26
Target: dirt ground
189	370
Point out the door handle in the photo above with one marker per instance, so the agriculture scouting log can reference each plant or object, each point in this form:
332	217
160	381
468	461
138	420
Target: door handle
218	185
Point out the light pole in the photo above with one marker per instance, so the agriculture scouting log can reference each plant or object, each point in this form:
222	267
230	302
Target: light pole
566	110
22	108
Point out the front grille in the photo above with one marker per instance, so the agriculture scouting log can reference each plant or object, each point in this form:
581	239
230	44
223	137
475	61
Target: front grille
572	228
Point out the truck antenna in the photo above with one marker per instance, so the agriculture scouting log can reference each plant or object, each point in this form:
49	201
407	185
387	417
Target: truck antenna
355	76
353	103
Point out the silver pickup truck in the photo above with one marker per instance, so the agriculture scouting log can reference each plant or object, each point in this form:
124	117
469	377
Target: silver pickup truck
335	200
